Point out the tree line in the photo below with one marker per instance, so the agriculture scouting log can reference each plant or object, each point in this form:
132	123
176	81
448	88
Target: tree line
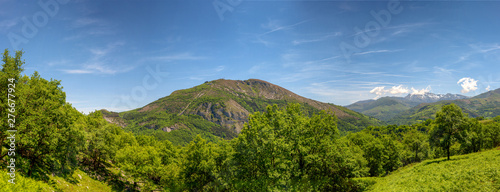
281	149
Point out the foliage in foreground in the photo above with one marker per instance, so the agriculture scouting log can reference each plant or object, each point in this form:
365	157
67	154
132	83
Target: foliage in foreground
472	172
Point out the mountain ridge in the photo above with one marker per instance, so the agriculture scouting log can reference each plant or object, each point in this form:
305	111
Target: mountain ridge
386	108
221	107
486	105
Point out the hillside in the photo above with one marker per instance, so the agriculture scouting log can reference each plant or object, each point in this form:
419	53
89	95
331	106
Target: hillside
79	181
220	108
486	105
383	108
472	172
386	108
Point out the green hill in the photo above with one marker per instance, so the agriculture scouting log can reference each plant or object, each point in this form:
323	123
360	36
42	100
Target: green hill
219	108
383	108
472	172
486	105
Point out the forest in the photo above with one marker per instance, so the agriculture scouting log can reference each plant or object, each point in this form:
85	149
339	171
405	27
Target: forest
280	149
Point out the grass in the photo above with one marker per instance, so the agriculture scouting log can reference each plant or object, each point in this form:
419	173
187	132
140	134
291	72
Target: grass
22	184
473	172
79	181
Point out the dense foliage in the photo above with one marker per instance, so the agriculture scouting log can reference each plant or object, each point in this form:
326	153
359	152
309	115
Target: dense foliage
284	148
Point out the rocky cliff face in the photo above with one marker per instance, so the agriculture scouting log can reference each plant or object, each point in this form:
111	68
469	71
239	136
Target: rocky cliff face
229	103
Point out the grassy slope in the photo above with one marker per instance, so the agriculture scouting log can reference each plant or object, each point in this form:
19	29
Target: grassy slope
73	184
473	172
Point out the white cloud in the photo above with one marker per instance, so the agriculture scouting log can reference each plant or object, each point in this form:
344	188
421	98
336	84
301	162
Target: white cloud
488	88
378	90
421	91
398	90
468	84
395	90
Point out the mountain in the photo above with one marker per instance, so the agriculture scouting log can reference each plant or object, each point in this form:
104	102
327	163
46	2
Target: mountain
220	108
383	108
431	97
486	105
386	108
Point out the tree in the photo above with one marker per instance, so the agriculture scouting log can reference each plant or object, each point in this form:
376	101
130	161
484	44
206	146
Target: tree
492	135
198	168
11	69
472	138
417	143
140	162
393	150
282	149
374	151
448	127
47	137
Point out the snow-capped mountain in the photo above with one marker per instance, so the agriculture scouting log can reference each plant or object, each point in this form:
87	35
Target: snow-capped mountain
432	97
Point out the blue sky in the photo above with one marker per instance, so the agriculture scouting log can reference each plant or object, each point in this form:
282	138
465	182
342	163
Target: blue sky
122	55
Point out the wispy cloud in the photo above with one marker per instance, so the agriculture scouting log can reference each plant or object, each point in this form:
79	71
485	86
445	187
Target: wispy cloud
86	21
177	57
397	29
274	26
6	24
378	51
442	70
76	71
318	39
477	48
100	61
87	26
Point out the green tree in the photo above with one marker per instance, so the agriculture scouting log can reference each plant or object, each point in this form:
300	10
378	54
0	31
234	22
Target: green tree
282	149
492	135
393	150
198	168
47	135
417	143
472	138
11	69
140	162
374	151
448	127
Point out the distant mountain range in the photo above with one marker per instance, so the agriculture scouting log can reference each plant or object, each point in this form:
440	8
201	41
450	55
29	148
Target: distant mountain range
386	108
220	108
418	107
